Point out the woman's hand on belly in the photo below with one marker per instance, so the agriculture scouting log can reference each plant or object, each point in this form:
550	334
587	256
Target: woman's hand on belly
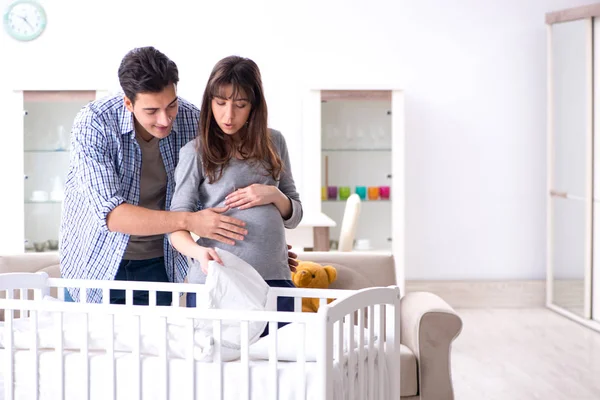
251	196
259	195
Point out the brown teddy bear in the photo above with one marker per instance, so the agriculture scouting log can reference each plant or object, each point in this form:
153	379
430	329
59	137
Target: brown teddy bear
314	276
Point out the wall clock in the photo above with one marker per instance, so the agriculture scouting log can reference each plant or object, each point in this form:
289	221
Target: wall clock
25	20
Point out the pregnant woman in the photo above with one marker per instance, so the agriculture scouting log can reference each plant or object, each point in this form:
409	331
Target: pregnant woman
238	162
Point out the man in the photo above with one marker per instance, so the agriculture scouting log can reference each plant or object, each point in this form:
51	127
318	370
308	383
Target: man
120	182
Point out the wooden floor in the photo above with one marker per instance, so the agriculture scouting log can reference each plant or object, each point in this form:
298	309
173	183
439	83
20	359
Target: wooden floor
524	354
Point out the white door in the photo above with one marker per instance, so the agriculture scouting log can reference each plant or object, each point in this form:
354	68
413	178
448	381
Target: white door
570	172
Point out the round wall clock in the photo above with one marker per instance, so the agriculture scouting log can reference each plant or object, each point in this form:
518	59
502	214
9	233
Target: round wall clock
25	20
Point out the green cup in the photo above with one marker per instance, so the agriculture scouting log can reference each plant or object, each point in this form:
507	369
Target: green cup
344	192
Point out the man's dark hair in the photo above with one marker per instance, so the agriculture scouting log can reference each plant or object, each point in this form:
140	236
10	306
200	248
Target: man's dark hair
146	70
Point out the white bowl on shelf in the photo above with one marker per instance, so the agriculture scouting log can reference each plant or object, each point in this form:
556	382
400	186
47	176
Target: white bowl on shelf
39	196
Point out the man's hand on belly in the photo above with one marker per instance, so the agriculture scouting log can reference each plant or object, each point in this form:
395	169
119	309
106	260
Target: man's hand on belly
211	224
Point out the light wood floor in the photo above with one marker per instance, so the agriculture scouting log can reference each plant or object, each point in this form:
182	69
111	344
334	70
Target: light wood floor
524	354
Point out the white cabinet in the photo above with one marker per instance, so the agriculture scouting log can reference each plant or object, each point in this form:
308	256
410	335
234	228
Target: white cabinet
360	130
39	159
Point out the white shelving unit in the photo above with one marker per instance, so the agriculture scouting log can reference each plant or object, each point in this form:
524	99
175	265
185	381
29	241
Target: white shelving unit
360	153
47	119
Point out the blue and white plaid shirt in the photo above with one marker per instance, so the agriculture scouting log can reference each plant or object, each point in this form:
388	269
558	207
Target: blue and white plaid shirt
104	172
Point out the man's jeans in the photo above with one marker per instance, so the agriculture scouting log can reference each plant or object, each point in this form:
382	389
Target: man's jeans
152	270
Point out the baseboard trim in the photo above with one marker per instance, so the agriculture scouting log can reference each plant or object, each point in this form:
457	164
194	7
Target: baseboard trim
485	294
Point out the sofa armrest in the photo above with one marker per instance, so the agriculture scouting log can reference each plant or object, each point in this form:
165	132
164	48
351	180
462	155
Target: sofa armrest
429	326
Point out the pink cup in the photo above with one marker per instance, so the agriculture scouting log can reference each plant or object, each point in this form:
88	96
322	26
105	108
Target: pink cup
384	192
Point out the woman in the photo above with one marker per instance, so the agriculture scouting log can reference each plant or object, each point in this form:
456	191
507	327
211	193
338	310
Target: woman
238	162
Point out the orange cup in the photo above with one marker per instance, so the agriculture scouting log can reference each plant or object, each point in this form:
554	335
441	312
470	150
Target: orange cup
373	192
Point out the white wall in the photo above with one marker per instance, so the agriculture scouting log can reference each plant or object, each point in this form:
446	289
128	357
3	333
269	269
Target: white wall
474	75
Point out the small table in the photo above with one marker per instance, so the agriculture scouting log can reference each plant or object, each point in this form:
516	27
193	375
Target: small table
313	231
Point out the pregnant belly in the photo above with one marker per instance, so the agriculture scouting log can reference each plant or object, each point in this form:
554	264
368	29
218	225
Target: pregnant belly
264	246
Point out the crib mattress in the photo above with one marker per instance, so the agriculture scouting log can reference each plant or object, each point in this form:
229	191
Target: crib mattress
152	370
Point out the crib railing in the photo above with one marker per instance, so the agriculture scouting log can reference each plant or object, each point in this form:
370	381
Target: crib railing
373	312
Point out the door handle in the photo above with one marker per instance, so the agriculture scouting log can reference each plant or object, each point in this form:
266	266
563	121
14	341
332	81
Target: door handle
556	193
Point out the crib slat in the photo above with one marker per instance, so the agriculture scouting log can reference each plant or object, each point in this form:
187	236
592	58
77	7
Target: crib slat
58	319
83	295
381	340
137	362
23	296
129	297
175	299
273	360
340	342
106	296
245	364
152	299
393	314
301	357
111	353
351	356
163	357
361	354
9	378
297	304
371	322
217	356
322	302
190	357
9	393
85	357
34	353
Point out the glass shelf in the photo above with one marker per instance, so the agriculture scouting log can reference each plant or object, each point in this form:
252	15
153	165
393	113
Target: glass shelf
381	149
46	151
361	202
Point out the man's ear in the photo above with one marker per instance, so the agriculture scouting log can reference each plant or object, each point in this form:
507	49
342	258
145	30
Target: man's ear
128	103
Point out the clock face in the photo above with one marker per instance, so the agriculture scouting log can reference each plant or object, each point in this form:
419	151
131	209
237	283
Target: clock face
25	20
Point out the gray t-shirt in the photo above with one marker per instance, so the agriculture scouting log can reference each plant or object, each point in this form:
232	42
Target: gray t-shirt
264	247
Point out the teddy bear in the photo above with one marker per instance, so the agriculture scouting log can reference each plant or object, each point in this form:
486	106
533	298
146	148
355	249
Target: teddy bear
311	275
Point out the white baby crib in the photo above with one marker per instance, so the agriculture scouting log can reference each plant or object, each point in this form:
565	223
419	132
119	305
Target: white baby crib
350	349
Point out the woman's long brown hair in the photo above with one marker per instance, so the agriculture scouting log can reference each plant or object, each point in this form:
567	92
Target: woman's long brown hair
216	148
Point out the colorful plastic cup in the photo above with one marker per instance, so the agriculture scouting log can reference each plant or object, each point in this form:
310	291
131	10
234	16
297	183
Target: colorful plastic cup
344	192
373	192
384	192
323	193
361	191
332	192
